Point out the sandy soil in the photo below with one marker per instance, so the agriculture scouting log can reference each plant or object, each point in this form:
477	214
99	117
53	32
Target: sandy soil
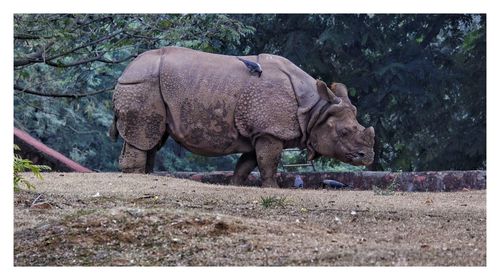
117	219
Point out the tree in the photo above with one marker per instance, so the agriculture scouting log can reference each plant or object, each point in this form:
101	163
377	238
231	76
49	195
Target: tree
404	72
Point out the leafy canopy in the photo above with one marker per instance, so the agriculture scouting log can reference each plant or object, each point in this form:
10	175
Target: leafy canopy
420	79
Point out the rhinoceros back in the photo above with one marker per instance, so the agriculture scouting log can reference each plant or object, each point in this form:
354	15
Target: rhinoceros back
268	105
215	106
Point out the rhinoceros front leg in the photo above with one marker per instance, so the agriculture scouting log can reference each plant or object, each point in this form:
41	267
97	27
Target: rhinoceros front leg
246	163
268	150
133	160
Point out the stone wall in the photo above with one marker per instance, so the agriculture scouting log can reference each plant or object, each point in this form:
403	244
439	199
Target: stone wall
363	180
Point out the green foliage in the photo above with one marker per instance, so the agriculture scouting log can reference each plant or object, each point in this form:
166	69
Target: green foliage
272	201
331	165
22	165
404	72
388	190
321	164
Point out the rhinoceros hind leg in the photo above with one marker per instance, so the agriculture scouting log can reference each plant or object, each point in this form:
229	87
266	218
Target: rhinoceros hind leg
132	160
246	163
268	150
150	160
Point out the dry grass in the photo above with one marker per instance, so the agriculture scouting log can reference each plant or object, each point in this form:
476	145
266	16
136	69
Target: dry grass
118	219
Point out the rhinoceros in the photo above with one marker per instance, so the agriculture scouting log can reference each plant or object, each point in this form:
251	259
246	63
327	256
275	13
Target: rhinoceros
212	105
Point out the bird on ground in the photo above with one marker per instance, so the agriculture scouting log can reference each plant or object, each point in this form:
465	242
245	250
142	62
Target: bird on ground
334	184
298	183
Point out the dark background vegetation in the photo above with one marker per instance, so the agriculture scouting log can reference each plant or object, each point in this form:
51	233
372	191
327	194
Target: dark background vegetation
419	79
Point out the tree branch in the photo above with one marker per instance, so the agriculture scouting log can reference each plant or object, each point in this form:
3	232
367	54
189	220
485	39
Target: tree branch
34	57
74	63
86	45
88	60
141	36
29	91
40	55
117	61
81	24
26	37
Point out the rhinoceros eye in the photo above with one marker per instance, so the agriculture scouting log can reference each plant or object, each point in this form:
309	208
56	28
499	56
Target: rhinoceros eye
344	132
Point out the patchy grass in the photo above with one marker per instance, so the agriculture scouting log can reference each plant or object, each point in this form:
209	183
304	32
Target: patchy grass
272	201
389	190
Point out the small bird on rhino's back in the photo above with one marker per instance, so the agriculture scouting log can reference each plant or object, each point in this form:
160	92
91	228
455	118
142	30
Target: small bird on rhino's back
253	67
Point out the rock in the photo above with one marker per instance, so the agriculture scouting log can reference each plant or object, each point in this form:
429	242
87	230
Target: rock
41	205
221	226
135	212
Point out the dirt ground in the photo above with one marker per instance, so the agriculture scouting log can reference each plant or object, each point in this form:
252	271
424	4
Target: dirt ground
103	219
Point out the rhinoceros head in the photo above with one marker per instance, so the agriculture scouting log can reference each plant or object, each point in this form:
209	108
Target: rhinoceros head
337	133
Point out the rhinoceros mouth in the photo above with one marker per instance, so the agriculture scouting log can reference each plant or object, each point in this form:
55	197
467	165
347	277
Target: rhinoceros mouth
312	154
359	158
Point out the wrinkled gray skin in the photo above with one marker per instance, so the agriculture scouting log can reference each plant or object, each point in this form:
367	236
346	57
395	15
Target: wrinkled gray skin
213	106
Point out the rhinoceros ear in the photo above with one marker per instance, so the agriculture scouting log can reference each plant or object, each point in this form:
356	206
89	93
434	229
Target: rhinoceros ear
340	90
325	93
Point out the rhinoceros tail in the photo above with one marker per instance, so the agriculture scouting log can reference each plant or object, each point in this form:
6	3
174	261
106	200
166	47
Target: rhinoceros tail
113	132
